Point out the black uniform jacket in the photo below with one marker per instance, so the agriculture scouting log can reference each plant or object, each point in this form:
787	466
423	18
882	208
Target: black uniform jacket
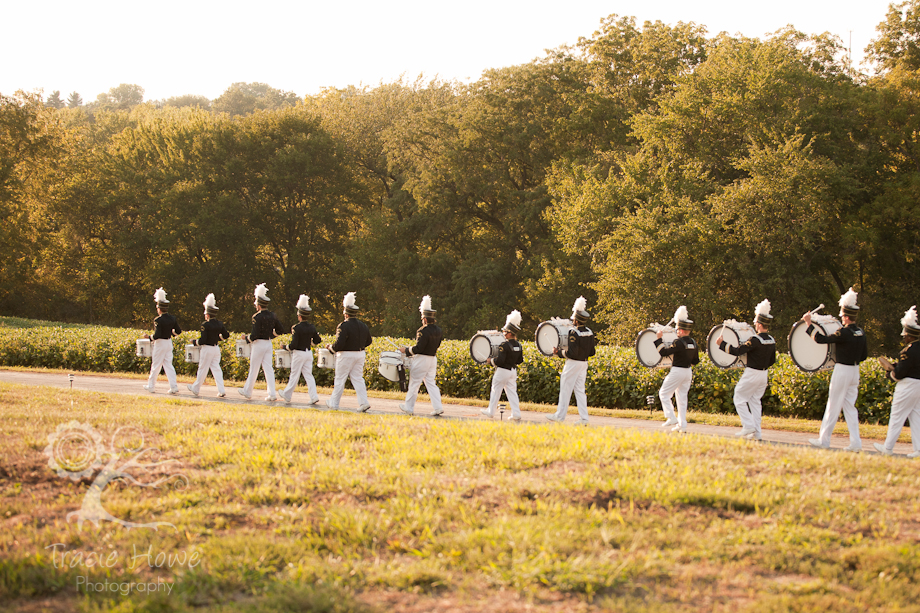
211	332
581	344
351	335
427	340
850	341
760	350
305	336
510	354
685	351
908	366
265	326
164	326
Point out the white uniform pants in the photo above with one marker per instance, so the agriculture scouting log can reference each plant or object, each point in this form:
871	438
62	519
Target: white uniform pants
504	379
302	364
349	365
842	396
904	404
677	382
209	359
748	394
424	368
261	356
573	378
162	359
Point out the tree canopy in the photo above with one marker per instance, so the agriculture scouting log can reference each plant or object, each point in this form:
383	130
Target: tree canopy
644	167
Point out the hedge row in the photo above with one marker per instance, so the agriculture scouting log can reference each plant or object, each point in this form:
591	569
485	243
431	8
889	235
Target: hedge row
615	377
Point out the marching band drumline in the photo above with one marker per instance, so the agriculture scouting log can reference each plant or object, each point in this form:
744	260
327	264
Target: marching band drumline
816	342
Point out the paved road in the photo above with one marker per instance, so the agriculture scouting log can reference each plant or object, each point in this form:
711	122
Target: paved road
113	385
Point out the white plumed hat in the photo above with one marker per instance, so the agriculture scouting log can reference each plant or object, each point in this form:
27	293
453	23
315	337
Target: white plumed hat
909	323
349	303
210	305
682	318
762	313
425	307
513	322
848	304
159	297
580	310
261	295
303	304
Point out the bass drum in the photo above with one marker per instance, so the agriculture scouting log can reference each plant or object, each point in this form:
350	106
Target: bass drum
388	365
552	334
192	354
283	358
647	352
808	355
325	358
485	344
734	335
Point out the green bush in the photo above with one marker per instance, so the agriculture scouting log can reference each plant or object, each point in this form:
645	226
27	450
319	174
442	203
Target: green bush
615	377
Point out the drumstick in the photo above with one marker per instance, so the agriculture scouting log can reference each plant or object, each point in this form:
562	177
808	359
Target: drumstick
820	306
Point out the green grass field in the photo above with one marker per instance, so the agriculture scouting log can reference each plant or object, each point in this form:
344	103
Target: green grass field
298	510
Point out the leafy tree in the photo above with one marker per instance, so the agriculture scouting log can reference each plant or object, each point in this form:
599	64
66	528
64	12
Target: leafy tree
898	42
54	100
246	98
30	147
188	100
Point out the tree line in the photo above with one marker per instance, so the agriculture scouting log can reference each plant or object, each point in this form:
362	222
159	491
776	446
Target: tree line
644	167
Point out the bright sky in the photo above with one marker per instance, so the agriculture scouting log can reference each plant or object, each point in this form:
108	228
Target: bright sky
176	47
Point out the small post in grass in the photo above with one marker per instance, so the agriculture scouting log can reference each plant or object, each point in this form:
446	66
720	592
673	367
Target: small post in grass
70	378
501	412
650	401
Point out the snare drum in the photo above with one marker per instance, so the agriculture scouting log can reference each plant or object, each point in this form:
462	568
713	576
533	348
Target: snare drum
325	358
553	334
808	355
143	349
389	364
485	345
192	353
283	358
243	349
647	352
734	333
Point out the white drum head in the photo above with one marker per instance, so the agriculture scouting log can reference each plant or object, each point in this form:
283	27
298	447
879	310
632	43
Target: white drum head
721	358
484	345
808	355
547	338
647	352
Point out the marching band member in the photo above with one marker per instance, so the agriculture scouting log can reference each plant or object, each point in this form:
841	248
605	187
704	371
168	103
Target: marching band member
686	355
265	326
212	331
510	354
851	350
580	347
304	337
906	400
351	339
165	327
424	361
761	355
